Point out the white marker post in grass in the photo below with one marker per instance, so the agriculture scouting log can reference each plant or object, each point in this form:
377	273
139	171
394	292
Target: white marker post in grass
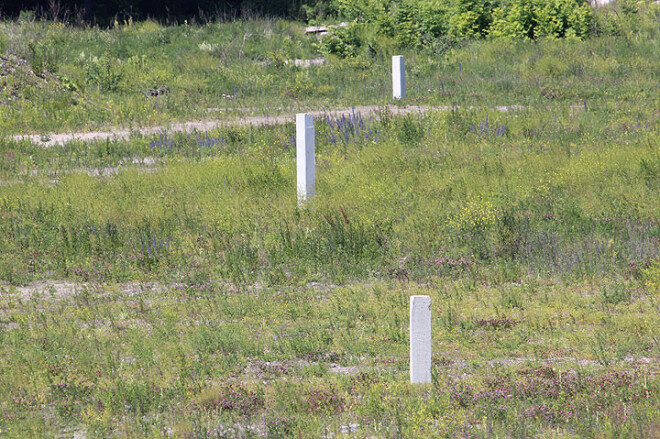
305	145
398	77
420	339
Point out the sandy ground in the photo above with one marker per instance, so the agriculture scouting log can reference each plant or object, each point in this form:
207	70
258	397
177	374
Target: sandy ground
201	126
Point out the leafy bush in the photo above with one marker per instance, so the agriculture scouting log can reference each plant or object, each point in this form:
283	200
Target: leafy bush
605	23
359	40
469	18
366	11
540	18
411	22
417	23
105	73
342	42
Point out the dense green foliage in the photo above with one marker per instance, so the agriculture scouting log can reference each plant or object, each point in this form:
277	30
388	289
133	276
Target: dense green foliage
412	20
534	19
437	24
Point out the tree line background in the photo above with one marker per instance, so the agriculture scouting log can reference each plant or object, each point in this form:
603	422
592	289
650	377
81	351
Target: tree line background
105	11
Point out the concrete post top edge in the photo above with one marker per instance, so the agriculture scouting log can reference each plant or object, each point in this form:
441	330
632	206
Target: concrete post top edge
417	296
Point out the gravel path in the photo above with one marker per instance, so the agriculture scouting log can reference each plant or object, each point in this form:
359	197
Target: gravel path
197	126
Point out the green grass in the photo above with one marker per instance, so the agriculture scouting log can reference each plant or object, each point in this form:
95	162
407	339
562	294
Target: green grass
197	360
556	193
170	285
100	74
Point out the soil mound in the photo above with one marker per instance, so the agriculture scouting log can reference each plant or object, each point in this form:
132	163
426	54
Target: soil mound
18	82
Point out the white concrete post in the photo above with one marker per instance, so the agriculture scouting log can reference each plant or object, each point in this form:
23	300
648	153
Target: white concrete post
305	142
420	339
398	77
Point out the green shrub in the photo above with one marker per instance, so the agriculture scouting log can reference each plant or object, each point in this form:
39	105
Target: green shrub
537	18
105	73
43	57
343	42
413	23
3	44
469	18
416	23
26	17
605	23
407	29
366	11
629	17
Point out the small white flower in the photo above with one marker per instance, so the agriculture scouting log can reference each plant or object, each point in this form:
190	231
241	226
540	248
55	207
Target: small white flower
207	47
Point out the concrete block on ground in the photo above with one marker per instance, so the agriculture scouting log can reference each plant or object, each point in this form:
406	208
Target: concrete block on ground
305	160
398	77
420	339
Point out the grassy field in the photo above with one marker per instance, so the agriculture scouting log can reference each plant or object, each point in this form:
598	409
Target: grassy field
63	78
169	286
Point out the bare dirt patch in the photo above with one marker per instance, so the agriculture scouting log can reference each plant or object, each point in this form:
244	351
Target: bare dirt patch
62	290
201	126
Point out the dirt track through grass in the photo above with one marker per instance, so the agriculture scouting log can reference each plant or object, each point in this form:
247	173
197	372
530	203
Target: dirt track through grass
196	126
